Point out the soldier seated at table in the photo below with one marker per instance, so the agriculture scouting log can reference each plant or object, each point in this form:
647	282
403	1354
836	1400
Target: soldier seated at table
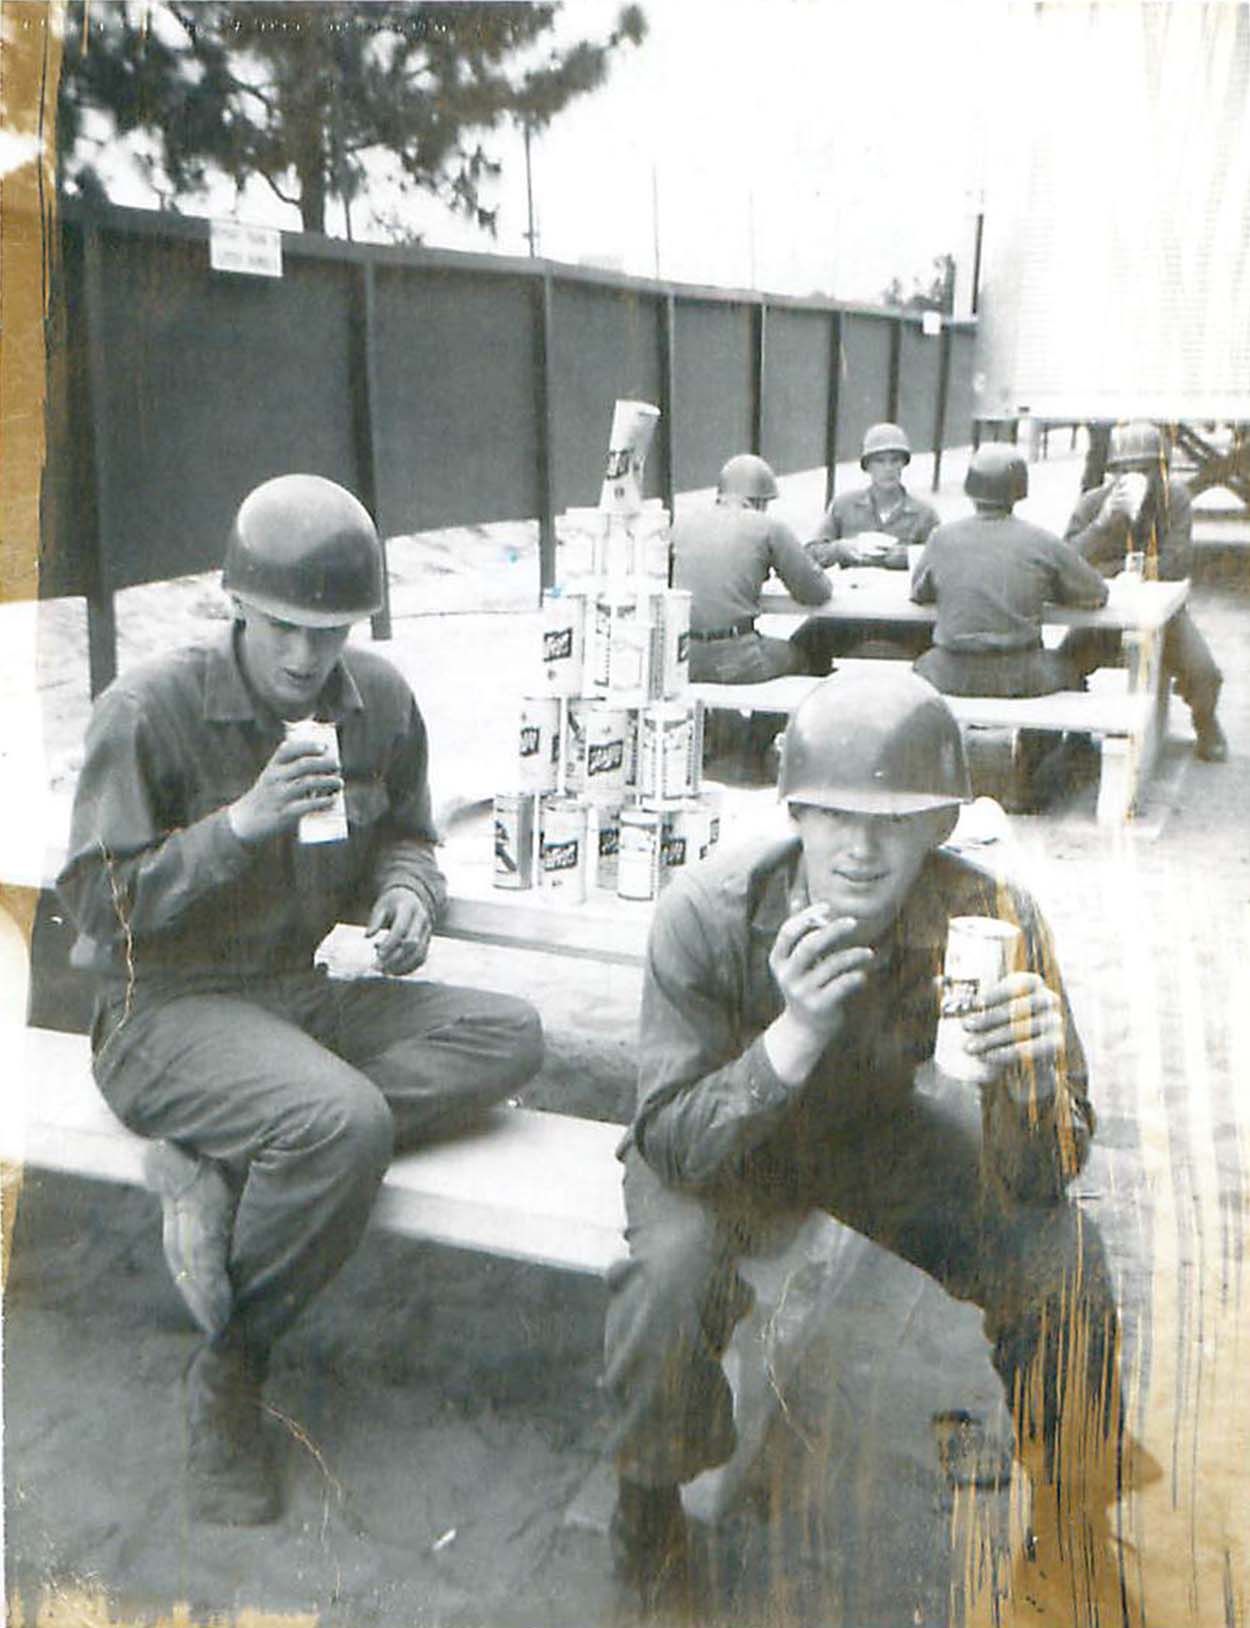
723	555
874	525
1152	519
991	575
789	997
274	1095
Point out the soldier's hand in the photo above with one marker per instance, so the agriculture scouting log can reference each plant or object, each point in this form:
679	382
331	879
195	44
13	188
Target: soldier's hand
402	925
1118	503
817	969
299	779
870	547
1017	1021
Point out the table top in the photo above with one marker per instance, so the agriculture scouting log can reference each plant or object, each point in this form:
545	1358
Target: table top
873	594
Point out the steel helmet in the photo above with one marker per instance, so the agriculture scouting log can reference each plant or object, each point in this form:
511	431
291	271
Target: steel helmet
747	476
304	549
997	473
880	743
884	438
1136	445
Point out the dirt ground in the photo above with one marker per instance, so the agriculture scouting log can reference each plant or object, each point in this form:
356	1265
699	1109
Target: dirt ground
440	1411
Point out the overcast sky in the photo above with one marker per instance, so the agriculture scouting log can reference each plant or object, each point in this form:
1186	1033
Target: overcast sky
795	145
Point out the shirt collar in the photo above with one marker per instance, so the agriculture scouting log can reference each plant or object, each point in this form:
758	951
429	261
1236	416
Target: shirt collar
227	698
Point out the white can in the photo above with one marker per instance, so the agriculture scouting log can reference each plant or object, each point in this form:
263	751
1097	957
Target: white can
666	752
618	556
980	950
538	743
580	533
328	824
710	800
638	866
622	643
596	749
563	859
673	666
564	641
516	816
633	425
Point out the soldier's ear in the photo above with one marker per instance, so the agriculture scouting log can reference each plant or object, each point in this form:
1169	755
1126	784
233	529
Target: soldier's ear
944	822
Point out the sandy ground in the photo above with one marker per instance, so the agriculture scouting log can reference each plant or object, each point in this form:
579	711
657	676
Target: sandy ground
446	1468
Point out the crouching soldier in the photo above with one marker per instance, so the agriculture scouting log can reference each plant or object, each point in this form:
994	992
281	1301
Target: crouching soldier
274	1095
790	995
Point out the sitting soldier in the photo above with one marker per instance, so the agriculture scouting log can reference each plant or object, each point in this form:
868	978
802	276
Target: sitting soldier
275	1095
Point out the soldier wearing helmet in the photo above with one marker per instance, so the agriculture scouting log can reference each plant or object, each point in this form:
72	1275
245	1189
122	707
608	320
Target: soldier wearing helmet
723	555
874	525
1143	510
789	998
273	1095
990	575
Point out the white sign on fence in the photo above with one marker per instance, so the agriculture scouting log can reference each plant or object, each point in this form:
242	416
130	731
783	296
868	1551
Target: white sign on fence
255	251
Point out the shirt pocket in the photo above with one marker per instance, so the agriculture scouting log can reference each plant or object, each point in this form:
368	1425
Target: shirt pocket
367	802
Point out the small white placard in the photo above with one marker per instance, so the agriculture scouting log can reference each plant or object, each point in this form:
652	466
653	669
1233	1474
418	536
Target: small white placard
255	251
931	324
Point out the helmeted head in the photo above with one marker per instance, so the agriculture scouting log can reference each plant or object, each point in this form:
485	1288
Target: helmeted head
746	479
304	549
1138	444
884	440
303	562
997	475
873	770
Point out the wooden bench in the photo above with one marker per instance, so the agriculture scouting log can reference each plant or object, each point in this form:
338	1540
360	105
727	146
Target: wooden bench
533	1186
1121	720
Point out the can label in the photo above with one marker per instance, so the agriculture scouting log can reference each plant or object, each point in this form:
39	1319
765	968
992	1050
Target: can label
515	819
638	864
538	745
327	824
623	644
666	752
564	642
596	750
979	951
690	833
562	847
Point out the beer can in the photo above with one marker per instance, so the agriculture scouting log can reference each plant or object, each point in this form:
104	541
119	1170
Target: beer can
979	951
580	533
633	425
563	858
666	751
516	814
595	756
619	551
673	663
564	641
622	643
638	864
328	824
607	844
538	744
682	840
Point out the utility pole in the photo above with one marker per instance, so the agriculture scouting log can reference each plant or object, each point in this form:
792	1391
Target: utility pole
531	236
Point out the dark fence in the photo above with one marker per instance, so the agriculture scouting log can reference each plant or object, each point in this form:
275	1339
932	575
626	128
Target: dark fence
443	388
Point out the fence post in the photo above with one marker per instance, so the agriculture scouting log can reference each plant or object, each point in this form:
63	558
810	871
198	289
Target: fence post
896	355
759	323
939	409
101	613
543	472
362	387
832	403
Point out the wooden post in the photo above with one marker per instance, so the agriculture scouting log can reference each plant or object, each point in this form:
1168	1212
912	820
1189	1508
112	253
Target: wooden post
896	355
832	403
939	409
543	471
101	613
759	322
362	384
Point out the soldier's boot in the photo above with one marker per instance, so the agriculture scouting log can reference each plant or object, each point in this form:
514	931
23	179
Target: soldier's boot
198	1206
